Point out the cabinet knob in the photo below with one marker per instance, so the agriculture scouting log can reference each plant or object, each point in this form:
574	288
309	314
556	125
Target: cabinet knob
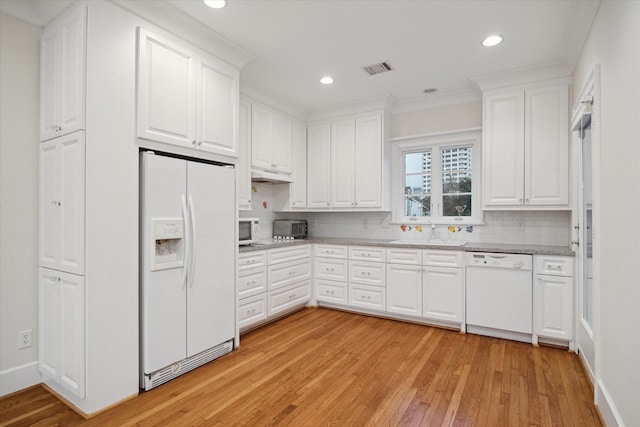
193	143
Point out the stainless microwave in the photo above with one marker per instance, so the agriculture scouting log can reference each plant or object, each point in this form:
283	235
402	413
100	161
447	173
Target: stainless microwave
290	228
248	230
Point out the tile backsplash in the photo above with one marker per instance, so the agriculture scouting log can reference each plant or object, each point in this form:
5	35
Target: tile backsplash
532	228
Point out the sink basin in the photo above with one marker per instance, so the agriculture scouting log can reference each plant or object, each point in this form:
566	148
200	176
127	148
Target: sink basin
428	242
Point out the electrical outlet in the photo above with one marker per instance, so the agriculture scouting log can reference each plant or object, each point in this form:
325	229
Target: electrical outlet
24	338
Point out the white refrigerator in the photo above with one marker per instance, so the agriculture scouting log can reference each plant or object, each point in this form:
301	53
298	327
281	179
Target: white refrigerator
187	266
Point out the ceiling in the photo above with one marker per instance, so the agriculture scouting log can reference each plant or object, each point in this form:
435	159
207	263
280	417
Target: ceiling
429	43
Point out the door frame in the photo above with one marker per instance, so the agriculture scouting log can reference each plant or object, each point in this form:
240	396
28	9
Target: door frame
587	101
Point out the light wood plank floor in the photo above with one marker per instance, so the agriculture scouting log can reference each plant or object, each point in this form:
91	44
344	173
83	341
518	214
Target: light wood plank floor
323	367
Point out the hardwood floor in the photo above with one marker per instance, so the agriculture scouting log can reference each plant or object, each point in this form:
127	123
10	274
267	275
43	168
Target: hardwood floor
323	367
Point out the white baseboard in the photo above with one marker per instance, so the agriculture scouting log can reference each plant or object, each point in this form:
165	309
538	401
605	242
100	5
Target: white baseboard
610	414
20	377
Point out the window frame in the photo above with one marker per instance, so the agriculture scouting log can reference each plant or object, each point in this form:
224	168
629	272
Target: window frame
436	143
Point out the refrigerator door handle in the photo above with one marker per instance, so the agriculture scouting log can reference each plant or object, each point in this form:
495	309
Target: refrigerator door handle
187	242
192	254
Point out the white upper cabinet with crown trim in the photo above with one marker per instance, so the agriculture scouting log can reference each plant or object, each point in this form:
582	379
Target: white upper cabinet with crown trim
62	75
186	98
525	154
271	135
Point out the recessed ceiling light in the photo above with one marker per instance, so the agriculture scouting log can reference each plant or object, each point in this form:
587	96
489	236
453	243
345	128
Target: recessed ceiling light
326	80
430	90
492	41
216	4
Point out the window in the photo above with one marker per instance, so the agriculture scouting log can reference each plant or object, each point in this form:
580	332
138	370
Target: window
440	179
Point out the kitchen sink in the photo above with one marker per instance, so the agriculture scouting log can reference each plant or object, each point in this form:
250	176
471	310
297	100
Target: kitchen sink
428	242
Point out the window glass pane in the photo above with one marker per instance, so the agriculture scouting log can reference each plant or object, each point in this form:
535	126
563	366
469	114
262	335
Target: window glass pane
417	205
456	181
417	162
417	184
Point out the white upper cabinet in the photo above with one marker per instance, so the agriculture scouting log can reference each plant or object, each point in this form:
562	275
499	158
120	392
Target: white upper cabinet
368	155
298	188
62	75
318	166
243	174
342	163
185	98
271	135
62	203
526	148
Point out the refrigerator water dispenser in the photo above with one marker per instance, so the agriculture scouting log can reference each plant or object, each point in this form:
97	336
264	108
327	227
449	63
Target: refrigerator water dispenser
168	236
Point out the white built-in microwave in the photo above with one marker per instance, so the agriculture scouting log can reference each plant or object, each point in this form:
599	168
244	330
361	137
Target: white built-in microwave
248	230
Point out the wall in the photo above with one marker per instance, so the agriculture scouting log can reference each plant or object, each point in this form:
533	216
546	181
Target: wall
19	112
433	120
614	43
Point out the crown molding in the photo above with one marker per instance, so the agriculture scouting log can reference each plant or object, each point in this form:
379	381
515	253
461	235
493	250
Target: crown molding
438	100
521	76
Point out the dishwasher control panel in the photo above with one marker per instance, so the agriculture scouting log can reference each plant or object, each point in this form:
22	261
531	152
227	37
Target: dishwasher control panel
498	260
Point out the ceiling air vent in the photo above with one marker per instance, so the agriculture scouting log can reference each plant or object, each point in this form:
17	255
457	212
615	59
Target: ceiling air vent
382	67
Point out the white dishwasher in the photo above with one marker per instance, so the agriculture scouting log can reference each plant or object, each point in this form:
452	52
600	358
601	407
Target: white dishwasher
499	295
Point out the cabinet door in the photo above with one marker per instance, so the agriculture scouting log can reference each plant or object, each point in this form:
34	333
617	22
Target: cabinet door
342	163
62	179
49	82
62	329
404	289
71	105
217	107
547	146
503	149
243	169
166	104
261	138
319	167
281	143
368	162
442	294
298	188
252	310
553	307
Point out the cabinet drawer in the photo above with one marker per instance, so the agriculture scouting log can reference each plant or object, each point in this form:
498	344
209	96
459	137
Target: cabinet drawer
367	273
554	265
281	275
331	291
372	297
331	269
367	253
252	310
289	253
404	256
252	282
284	299
247	260
442	258
330	251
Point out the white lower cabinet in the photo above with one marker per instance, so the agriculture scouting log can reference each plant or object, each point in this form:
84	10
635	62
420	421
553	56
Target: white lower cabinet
442	294
331	291
62	329
404	289
553	299
272	282
366	296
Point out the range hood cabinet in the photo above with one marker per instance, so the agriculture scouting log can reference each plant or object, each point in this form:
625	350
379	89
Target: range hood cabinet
270	177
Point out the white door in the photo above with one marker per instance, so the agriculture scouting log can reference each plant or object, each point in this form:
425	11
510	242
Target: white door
211	289
547	146
164	305
298	188
442	294
585	334
368	162
318	166
404	289
49	82
503	149
217	108
166	104
342	163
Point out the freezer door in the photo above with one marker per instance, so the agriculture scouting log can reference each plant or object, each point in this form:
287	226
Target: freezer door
163	295
211	286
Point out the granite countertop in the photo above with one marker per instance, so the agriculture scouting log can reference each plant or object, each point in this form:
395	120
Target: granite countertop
468	247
